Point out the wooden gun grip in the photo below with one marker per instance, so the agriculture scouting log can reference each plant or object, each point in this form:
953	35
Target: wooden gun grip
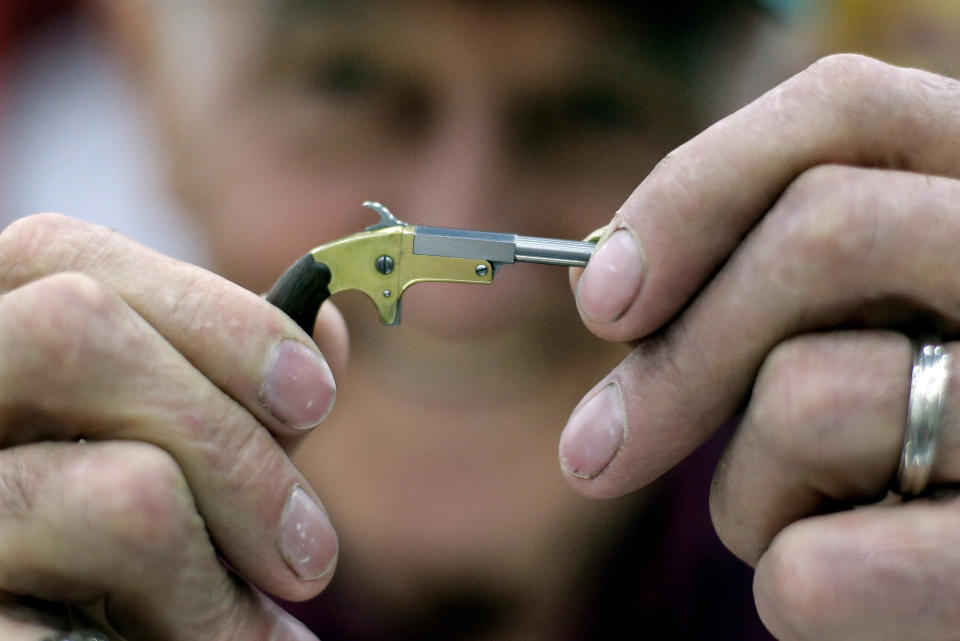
301	290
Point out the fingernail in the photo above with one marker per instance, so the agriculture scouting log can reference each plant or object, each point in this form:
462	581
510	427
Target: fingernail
298	387
308	542
612	278
594	434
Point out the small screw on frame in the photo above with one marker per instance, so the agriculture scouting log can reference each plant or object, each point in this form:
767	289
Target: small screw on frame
384	264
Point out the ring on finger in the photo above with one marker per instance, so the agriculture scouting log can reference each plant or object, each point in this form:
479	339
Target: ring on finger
928	391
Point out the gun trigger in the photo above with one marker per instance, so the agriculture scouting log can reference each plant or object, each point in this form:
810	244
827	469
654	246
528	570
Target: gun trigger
396	317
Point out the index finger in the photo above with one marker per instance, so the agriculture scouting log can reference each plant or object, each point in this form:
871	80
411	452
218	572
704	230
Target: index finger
245	346
691	212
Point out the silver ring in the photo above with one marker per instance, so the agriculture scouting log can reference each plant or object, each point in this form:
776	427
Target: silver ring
77	635
928	392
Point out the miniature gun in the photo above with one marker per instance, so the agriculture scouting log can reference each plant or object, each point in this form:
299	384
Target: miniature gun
383	260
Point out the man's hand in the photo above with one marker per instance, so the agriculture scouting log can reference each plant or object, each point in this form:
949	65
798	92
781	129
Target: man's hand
145	408
831	202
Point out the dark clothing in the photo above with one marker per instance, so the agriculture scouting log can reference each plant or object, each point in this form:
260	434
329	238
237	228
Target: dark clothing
668	578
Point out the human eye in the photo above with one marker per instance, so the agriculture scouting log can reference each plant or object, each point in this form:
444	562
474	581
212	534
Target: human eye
599	109
346	76
369	92
586	111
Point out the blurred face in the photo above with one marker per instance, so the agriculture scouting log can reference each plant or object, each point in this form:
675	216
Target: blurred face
525	118
529	118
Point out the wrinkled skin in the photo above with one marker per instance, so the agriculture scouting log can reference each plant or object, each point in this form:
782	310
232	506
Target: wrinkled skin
150	406
828	203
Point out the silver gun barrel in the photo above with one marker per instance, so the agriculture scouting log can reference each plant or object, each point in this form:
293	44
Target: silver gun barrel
500	248
551	251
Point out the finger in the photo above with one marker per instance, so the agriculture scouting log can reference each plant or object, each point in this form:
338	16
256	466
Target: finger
248	348
875	573
842	245
78	362
333	338
824	428
115	522
691	212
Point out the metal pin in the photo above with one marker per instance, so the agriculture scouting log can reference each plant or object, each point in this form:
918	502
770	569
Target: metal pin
387	293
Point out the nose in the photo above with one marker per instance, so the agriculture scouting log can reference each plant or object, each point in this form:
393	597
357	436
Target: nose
457	179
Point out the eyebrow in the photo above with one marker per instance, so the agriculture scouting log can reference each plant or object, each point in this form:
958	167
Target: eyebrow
650	32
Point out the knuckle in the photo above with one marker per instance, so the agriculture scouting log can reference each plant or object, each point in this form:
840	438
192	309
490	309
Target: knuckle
27	238
791	587
72	295
859	94
848	81
821	228
58	300
793	400
35	230
137	495
62	323
72	299
845	65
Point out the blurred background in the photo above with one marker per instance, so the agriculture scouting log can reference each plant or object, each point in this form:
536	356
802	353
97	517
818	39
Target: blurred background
75	136
82	134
